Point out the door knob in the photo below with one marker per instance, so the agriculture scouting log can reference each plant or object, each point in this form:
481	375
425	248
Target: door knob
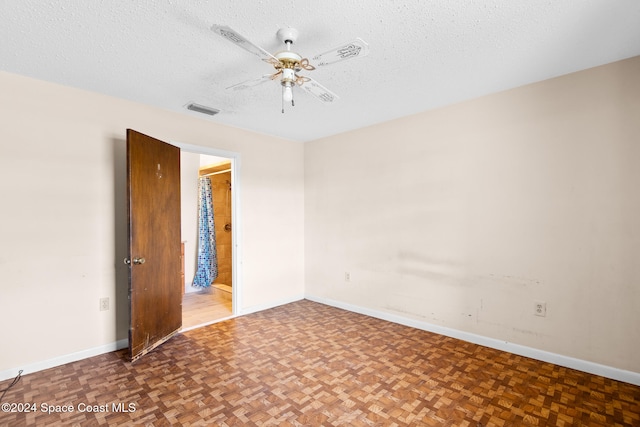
136	261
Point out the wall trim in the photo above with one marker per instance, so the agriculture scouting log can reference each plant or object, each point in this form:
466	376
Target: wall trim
545	356
272	304
521	350
64	359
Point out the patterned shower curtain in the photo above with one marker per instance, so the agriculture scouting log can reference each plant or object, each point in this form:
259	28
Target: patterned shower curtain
207	257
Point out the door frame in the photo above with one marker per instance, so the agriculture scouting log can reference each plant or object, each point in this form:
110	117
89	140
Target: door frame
236	228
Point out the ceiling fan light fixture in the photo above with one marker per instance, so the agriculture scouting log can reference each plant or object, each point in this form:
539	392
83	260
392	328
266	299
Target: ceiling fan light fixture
287	92
288	79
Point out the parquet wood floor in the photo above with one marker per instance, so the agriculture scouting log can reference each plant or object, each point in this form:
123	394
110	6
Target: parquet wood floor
307	364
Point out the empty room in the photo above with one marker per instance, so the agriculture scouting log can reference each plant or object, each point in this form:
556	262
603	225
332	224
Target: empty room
337	213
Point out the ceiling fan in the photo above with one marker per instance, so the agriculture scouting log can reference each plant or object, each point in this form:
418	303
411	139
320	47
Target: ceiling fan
288	64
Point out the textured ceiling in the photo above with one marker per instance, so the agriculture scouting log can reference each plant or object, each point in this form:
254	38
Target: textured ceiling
423	54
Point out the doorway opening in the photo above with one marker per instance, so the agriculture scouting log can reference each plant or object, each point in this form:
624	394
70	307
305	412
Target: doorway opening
215	298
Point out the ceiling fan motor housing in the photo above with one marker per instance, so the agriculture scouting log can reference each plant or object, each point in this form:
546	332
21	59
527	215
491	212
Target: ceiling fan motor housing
289	60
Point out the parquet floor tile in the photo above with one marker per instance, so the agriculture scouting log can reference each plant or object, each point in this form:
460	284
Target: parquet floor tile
307	364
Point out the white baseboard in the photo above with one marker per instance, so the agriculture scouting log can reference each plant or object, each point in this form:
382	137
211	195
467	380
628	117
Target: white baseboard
272	304
249	310
61	360
521	350
545	356
67	358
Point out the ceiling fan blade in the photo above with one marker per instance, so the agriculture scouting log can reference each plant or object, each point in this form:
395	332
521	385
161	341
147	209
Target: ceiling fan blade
251	83
353	49
231	35
314	88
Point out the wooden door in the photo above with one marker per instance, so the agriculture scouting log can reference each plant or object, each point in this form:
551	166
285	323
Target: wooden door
155	295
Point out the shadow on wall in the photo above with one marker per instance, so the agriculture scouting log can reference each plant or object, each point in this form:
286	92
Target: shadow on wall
121	238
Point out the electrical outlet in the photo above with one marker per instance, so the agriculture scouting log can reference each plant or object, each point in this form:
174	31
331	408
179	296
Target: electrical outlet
104	304
347	276
540	308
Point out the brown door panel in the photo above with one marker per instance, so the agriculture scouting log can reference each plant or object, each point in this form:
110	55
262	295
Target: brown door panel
155	291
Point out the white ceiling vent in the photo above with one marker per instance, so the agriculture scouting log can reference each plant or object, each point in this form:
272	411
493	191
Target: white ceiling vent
202	109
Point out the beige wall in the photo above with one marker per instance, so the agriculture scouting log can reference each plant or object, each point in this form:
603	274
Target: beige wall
464	216
62	181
